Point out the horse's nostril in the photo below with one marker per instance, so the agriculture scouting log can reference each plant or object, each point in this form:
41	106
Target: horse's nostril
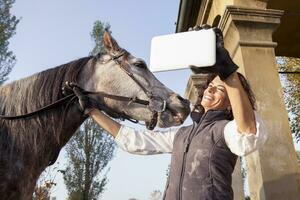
180	98
183	99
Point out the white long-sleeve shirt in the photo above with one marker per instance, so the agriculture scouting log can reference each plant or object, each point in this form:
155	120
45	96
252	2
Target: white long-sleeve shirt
146	142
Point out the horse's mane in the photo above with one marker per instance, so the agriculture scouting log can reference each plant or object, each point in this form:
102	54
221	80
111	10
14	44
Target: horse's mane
30	94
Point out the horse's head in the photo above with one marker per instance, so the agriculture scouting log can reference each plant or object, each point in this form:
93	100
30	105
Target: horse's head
119	73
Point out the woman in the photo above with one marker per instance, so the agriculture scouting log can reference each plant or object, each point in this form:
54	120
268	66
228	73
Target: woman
203	154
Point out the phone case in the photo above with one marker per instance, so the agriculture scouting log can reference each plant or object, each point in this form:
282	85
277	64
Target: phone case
180	50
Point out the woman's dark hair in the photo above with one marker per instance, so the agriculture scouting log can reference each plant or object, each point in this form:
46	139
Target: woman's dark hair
198	109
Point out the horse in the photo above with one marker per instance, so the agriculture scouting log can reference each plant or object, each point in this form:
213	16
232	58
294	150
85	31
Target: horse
30	143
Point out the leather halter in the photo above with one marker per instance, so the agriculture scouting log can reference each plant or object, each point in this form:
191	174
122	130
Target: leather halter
155	103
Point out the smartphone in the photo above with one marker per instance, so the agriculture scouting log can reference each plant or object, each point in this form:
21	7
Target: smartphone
180	50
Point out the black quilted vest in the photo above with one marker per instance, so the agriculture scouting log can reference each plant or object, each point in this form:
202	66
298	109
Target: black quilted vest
201	164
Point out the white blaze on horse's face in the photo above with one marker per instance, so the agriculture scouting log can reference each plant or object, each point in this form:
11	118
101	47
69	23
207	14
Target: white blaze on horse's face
129	76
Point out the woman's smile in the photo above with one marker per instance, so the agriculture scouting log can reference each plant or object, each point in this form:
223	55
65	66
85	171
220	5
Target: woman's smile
215	96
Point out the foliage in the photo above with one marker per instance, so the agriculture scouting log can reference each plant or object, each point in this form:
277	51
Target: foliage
298	156
168	171
8	23
45	183
97	35
156	195
291	87
90	149
88	152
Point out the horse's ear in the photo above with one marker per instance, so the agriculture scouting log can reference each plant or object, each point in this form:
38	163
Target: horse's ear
110	43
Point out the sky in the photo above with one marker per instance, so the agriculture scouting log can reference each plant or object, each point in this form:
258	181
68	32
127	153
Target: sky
54	32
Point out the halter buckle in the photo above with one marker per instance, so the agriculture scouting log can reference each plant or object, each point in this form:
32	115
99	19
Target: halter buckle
157	104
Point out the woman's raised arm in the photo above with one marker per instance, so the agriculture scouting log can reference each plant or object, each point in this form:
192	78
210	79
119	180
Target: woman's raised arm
242	110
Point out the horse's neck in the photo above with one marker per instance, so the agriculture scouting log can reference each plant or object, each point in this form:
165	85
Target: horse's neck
28	145
47	131
73	119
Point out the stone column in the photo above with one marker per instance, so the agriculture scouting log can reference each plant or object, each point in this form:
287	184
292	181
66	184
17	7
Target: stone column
195	84
237	182
248	37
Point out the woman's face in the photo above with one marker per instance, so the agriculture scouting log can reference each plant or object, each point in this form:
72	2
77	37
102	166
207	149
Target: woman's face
215	96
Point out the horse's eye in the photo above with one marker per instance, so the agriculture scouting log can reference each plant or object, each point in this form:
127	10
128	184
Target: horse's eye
140	65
